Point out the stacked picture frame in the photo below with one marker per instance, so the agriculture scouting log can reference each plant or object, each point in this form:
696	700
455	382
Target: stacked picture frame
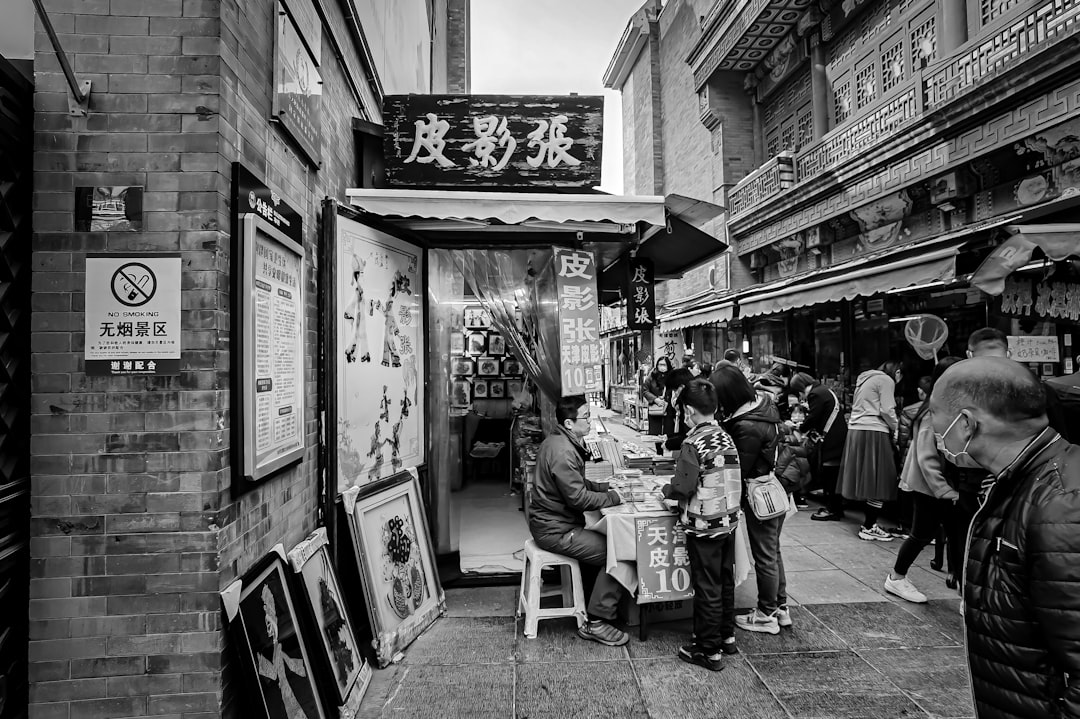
481	367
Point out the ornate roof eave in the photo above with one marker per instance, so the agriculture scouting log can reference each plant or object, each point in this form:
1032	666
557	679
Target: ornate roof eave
750	35
633	40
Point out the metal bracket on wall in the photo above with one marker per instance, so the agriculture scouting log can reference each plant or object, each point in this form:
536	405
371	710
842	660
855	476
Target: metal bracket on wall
79	100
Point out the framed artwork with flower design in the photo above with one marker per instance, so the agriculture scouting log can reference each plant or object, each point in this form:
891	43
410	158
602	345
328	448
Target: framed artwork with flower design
390	538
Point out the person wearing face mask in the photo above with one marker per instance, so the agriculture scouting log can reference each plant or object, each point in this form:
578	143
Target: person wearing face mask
652	389
868	468
1021	598
825	422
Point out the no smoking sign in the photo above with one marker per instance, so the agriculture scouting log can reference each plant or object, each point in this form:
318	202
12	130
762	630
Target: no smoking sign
134	284
133	314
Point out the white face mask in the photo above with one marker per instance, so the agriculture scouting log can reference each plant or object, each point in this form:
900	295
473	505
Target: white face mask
961	459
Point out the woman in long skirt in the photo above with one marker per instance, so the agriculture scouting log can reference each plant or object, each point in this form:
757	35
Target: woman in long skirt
868	467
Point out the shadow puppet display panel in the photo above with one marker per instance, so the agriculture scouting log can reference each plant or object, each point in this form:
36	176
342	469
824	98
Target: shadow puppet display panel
345	672
380	369
265	631
393	550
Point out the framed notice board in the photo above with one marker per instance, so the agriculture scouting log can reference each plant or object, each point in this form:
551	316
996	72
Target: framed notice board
269	386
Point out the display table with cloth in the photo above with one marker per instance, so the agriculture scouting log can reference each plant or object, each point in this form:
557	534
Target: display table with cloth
621	529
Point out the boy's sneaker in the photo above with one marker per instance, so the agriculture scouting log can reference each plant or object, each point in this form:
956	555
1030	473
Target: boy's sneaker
729	646
600	631
693	654
874	534
783	617
904	589
755	621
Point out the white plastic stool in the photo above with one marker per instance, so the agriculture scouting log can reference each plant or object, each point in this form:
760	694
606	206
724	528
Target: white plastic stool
570	588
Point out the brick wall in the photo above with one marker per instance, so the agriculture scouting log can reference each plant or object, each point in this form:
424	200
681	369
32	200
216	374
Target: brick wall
458	73
134	531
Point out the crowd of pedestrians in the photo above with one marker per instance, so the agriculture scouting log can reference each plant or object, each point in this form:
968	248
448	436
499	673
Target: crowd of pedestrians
981	466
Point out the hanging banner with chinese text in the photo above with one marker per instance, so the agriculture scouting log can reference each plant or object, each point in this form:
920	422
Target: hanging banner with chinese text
502	141
663	565
132	317
1043	300
640	301
579	321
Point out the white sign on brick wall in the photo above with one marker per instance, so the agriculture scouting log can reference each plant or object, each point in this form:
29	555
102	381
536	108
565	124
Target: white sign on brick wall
132	318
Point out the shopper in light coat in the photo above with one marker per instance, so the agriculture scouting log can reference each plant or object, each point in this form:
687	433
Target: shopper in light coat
868	468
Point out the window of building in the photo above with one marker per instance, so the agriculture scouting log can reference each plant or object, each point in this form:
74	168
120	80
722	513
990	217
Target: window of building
784	111
892	66
924	43
990	10
866	85
841	102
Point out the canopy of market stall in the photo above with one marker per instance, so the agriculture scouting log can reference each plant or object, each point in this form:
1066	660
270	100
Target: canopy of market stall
667	230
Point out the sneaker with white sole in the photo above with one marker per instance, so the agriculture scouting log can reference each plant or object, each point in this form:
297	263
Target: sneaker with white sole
783	617
904	589
874	534
755	621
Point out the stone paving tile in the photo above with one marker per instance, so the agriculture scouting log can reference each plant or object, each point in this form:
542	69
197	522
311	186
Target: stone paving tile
381	687
803	559
807	634
880	624
816	533
932	584
832	685
557	640
935	679
458	640
483	691
848	555
943	615
481	602
674	690
829	586
556	691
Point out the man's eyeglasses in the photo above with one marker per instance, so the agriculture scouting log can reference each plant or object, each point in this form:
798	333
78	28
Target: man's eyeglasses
584	416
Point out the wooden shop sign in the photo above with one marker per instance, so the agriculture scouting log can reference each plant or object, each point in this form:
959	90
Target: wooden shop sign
493	141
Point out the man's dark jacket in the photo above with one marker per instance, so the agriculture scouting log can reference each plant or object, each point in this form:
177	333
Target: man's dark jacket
560	495
820	405
1022	587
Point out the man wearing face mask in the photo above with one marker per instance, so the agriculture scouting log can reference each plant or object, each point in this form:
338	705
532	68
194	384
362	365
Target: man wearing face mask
1021	593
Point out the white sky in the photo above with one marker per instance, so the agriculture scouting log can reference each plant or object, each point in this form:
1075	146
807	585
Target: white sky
553	47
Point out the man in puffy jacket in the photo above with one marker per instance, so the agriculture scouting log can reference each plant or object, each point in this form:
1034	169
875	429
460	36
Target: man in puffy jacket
1022	583
560	498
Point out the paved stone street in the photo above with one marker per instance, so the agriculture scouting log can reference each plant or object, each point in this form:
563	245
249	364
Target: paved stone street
853	652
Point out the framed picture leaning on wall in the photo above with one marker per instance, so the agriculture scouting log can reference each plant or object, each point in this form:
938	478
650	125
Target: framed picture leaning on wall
345	670
275	657
393	550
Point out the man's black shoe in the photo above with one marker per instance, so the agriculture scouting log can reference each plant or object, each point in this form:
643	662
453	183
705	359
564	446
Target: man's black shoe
693	654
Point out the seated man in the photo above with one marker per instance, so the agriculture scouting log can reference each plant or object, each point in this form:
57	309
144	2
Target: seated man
556	514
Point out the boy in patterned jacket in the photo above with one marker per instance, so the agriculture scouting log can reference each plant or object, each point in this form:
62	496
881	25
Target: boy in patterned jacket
708	485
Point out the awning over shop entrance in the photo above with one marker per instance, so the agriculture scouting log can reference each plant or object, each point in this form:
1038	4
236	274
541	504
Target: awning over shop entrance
713	313
666	230
845	282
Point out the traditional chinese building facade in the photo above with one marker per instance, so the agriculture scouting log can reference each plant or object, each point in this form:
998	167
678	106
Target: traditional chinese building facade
212	110
890	140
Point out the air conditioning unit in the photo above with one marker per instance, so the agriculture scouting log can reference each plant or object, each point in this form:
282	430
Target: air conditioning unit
947	191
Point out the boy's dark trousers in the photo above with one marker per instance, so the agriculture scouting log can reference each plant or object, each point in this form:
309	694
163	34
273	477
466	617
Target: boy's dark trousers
712	572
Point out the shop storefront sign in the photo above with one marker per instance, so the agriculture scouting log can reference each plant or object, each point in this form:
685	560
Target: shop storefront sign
640	299
132	317
273	324
1045	300
297	88
504	141
250	194
663	563
1034	349
579	321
